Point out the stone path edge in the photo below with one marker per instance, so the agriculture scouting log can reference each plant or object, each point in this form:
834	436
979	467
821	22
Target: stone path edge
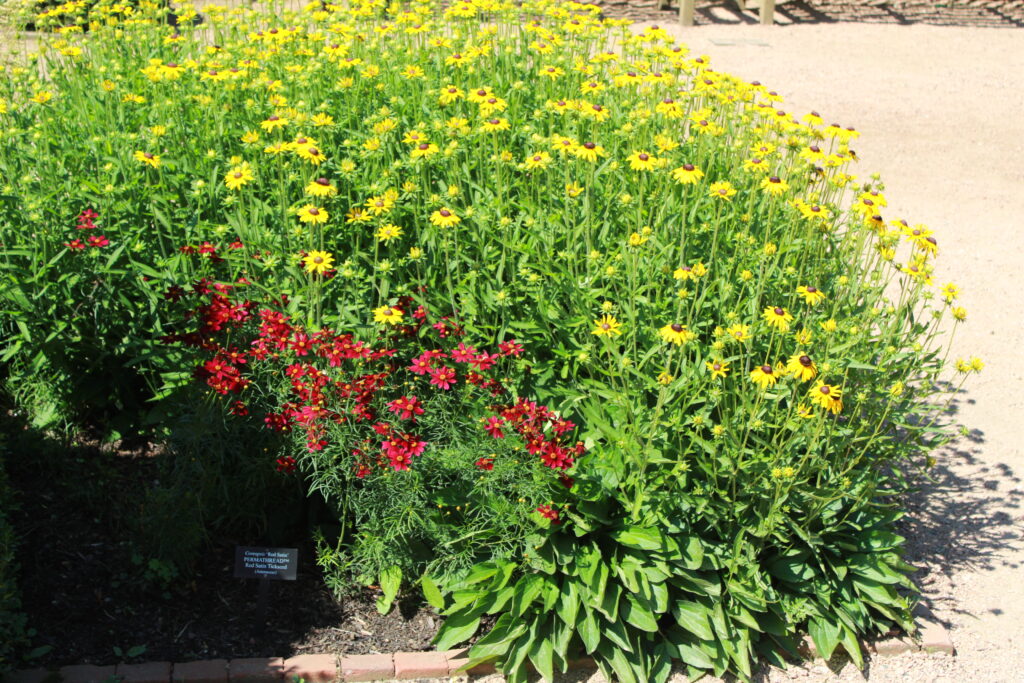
932	637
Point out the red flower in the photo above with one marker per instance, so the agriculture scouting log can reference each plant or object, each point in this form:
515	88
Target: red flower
98	241
548	512
421	365
75	245
493	427
485	464
238	408
406	407
463	354
442	377
510	348
300	344
286	464
484	361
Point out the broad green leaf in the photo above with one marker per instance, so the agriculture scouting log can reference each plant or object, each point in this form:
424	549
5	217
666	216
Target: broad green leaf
825	635
526	591
639	616
693	617
390	582
641	538
456	629
431	593
588	630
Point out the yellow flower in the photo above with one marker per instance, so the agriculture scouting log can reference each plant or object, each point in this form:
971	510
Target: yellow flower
687	174
389	315
804	412
538	160
811	295
251	137
318	262
424	150
829	325
950	292
273	122
676	334
313	214
589	151
896	390
718	368
386	233
444	218
322	120
607	325
642	161
636	240
739	332
321	187
450	94
765	376
802	367
573	190
148	158
774	185
310	153
495	125
827	396
722	190
239	176
665	379
959	312
415	253
777	317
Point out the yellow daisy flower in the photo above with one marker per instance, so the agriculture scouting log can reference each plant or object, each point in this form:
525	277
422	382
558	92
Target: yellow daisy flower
608	326
827	396
444	218
313	214
676	334
318	262
777	317
802	367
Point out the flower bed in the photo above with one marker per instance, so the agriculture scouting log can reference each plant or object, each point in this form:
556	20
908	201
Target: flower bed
582	337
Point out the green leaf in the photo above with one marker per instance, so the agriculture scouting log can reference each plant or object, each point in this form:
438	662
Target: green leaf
390	582
588	630
480	572
825	635
542	653
693	617
641	538
639	616
431	593
526	591
456	629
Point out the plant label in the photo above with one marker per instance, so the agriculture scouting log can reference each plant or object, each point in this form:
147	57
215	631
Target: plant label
253	562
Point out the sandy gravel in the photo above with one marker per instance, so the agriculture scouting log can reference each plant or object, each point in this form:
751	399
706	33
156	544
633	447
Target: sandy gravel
941	111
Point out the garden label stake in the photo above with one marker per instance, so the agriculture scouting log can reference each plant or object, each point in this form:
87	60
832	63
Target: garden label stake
265	564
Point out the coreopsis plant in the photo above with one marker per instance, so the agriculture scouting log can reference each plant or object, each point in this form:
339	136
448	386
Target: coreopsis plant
751	344
413	436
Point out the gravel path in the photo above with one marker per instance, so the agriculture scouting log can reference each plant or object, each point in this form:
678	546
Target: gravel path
940	112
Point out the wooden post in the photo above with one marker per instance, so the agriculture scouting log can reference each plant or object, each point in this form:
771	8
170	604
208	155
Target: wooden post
767	12
686	12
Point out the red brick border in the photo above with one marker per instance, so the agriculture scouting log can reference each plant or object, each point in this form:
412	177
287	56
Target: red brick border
932	636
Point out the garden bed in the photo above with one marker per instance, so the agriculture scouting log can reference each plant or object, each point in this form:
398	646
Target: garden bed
87	600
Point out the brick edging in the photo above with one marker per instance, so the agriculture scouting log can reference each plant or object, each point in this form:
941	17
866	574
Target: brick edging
933	637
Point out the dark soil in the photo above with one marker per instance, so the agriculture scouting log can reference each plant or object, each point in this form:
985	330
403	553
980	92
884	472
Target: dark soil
87	598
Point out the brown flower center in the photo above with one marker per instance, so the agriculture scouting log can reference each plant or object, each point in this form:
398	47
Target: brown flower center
676	327
642	157
780	312
445	212
805	361
766	369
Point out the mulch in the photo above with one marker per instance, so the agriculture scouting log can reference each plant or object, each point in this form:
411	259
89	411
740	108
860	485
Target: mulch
86	603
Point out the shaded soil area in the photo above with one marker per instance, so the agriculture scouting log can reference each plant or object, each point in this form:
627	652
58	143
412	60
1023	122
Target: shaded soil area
91	598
